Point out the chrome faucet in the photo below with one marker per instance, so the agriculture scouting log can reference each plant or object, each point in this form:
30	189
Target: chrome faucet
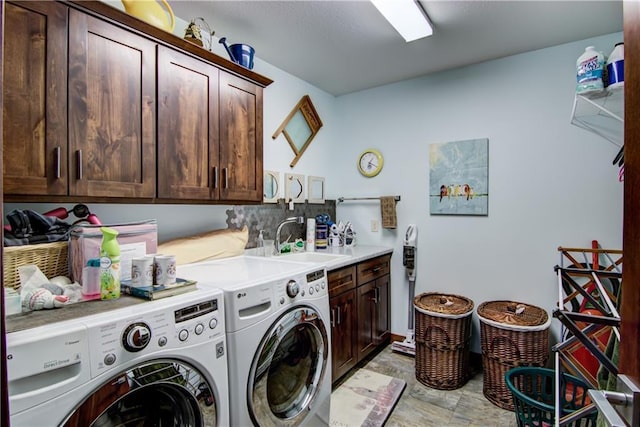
290	220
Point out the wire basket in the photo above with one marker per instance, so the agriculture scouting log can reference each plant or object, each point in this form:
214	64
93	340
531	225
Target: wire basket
51	258
511	334
442	333
533	391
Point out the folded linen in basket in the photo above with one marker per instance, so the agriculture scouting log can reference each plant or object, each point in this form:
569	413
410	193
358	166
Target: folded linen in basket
388	211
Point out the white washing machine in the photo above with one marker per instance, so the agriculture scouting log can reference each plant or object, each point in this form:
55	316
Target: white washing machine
278	335
152	363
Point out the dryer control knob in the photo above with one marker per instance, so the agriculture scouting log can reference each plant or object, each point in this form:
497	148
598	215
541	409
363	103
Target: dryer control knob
136	337
293	289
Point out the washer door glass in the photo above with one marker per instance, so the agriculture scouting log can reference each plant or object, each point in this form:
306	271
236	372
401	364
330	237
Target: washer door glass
157	393
288	369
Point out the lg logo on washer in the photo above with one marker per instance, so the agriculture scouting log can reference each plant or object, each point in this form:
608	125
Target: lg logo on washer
242	295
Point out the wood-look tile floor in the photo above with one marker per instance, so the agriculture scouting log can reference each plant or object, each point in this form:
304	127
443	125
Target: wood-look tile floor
423	406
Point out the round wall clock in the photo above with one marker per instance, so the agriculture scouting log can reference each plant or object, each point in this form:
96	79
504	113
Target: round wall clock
370	162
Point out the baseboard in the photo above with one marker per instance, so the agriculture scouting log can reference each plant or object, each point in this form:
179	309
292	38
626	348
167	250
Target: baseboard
395	337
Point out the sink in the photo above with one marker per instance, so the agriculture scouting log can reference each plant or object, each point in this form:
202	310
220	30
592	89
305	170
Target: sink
311	257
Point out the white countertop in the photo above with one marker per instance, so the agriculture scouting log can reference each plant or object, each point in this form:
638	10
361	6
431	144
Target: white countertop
347	255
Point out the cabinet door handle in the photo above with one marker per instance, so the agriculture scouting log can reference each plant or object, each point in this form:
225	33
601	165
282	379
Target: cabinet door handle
333	317
57	162
215	177
376	294
79	161
339	316
376	269
344	282
225	172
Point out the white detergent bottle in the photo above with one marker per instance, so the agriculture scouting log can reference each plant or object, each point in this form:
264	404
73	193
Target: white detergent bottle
311	235
589	71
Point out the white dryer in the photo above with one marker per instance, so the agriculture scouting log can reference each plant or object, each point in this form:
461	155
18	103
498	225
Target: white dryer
152	363
278	335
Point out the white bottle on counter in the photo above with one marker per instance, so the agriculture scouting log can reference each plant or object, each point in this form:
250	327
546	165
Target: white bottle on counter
260	245
311	235
615	67
589	71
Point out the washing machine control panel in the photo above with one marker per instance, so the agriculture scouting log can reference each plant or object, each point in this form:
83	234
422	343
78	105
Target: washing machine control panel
136	336
309	285
293	289
155	328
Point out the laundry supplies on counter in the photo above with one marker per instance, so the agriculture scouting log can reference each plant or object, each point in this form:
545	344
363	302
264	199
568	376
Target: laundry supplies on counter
109	265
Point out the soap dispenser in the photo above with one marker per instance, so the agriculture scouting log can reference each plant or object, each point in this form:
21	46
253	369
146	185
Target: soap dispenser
260	246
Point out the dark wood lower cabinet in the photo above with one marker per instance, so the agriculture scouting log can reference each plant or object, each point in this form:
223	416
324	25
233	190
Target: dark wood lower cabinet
343	333
373	315
359	301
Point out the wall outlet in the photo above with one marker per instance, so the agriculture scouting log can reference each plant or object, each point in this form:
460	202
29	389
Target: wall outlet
375	225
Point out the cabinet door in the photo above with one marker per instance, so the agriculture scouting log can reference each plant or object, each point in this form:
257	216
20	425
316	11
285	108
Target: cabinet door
373	315
35	92
240	139
111	110
343	339
366	319
382	331
187	127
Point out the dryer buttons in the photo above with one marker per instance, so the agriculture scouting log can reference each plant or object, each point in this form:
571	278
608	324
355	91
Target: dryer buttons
183	335
162	341
109	359
213	323
199	329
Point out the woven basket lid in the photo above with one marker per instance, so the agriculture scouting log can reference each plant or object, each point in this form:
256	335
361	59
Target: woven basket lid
513	313
443	304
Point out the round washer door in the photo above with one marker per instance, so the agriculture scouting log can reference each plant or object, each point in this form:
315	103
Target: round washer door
155	393
288	369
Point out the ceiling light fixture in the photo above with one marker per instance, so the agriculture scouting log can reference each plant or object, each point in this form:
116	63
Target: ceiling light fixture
406	16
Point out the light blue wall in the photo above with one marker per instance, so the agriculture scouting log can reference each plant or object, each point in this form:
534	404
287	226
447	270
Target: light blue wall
550	183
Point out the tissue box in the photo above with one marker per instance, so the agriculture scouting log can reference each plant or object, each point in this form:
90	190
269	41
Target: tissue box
11	302
133	238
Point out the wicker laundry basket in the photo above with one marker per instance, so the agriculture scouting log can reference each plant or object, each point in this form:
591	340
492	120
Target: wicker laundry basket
511	334
442	334
51	259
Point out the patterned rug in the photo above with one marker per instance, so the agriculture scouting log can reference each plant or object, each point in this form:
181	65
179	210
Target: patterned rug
365	400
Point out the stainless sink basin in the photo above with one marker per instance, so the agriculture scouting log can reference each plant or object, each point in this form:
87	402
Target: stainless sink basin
310	257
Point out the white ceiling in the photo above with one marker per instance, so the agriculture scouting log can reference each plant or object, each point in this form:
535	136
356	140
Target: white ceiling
347	46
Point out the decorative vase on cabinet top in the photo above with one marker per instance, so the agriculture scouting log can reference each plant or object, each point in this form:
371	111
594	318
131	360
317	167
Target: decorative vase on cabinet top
151	12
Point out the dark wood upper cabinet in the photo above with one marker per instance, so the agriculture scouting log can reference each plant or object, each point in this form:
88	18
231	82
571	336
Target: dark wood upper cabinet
35	93
209	131
188	141
240	139
111	110
100	106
